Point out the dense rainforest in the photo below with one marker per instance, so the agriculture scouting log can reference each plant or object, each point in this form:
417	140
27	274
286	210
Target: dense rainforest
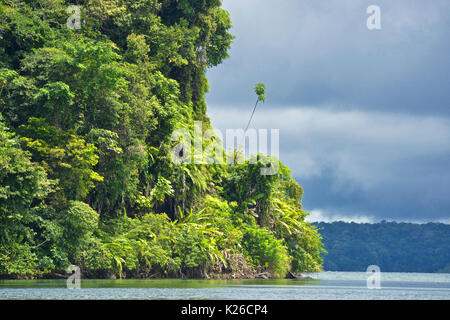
394	247
90	93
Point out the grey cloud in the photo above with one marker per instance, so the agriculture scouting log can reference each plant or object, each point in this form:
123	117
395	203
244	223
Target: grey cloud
320	52
381	164
364	115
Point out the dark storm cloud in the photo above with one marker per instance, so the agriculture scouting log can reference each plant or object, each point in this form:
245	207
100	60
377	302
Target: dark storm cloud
363	115
321	53
372	164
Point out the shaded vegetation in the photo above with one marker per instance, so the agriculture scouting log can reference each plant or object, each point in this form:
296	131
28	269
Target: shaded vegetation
394	247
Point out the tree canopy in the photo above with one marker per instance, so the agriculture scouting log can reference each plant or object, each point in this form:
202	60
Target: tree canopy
394	247
90	92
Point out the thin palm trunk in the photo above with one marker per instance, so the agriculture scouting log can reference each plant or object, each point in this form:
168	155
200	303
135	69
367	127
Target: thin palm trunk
251	117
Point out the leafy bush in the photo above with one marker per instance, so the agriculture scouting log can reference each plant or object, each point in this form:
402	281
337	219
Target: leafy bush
17	259
266	251
80	221
302	261
221	215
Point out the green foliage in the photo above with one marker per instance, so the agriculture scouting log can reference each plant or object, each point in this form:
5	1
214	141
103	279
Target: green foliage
394	247
266	251
54	99
260	90
302	260
79	222
222	215
86	176
17	259
66	157
162	189
22	182
23	185
252	191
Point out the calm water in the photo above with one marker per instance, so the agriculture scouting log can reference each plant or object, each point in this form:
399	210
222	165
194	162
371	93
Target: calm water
325	285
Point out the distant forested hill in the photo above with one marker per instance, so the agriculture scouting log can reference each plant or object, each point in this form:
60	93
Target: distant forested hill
394	247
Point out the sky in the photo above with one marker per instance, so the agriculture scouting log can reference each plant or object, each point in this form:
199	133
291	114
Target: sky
364	115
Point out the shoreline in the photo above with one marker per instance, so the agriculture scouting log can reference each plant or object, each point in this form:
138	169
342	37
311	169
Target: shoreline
224	276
